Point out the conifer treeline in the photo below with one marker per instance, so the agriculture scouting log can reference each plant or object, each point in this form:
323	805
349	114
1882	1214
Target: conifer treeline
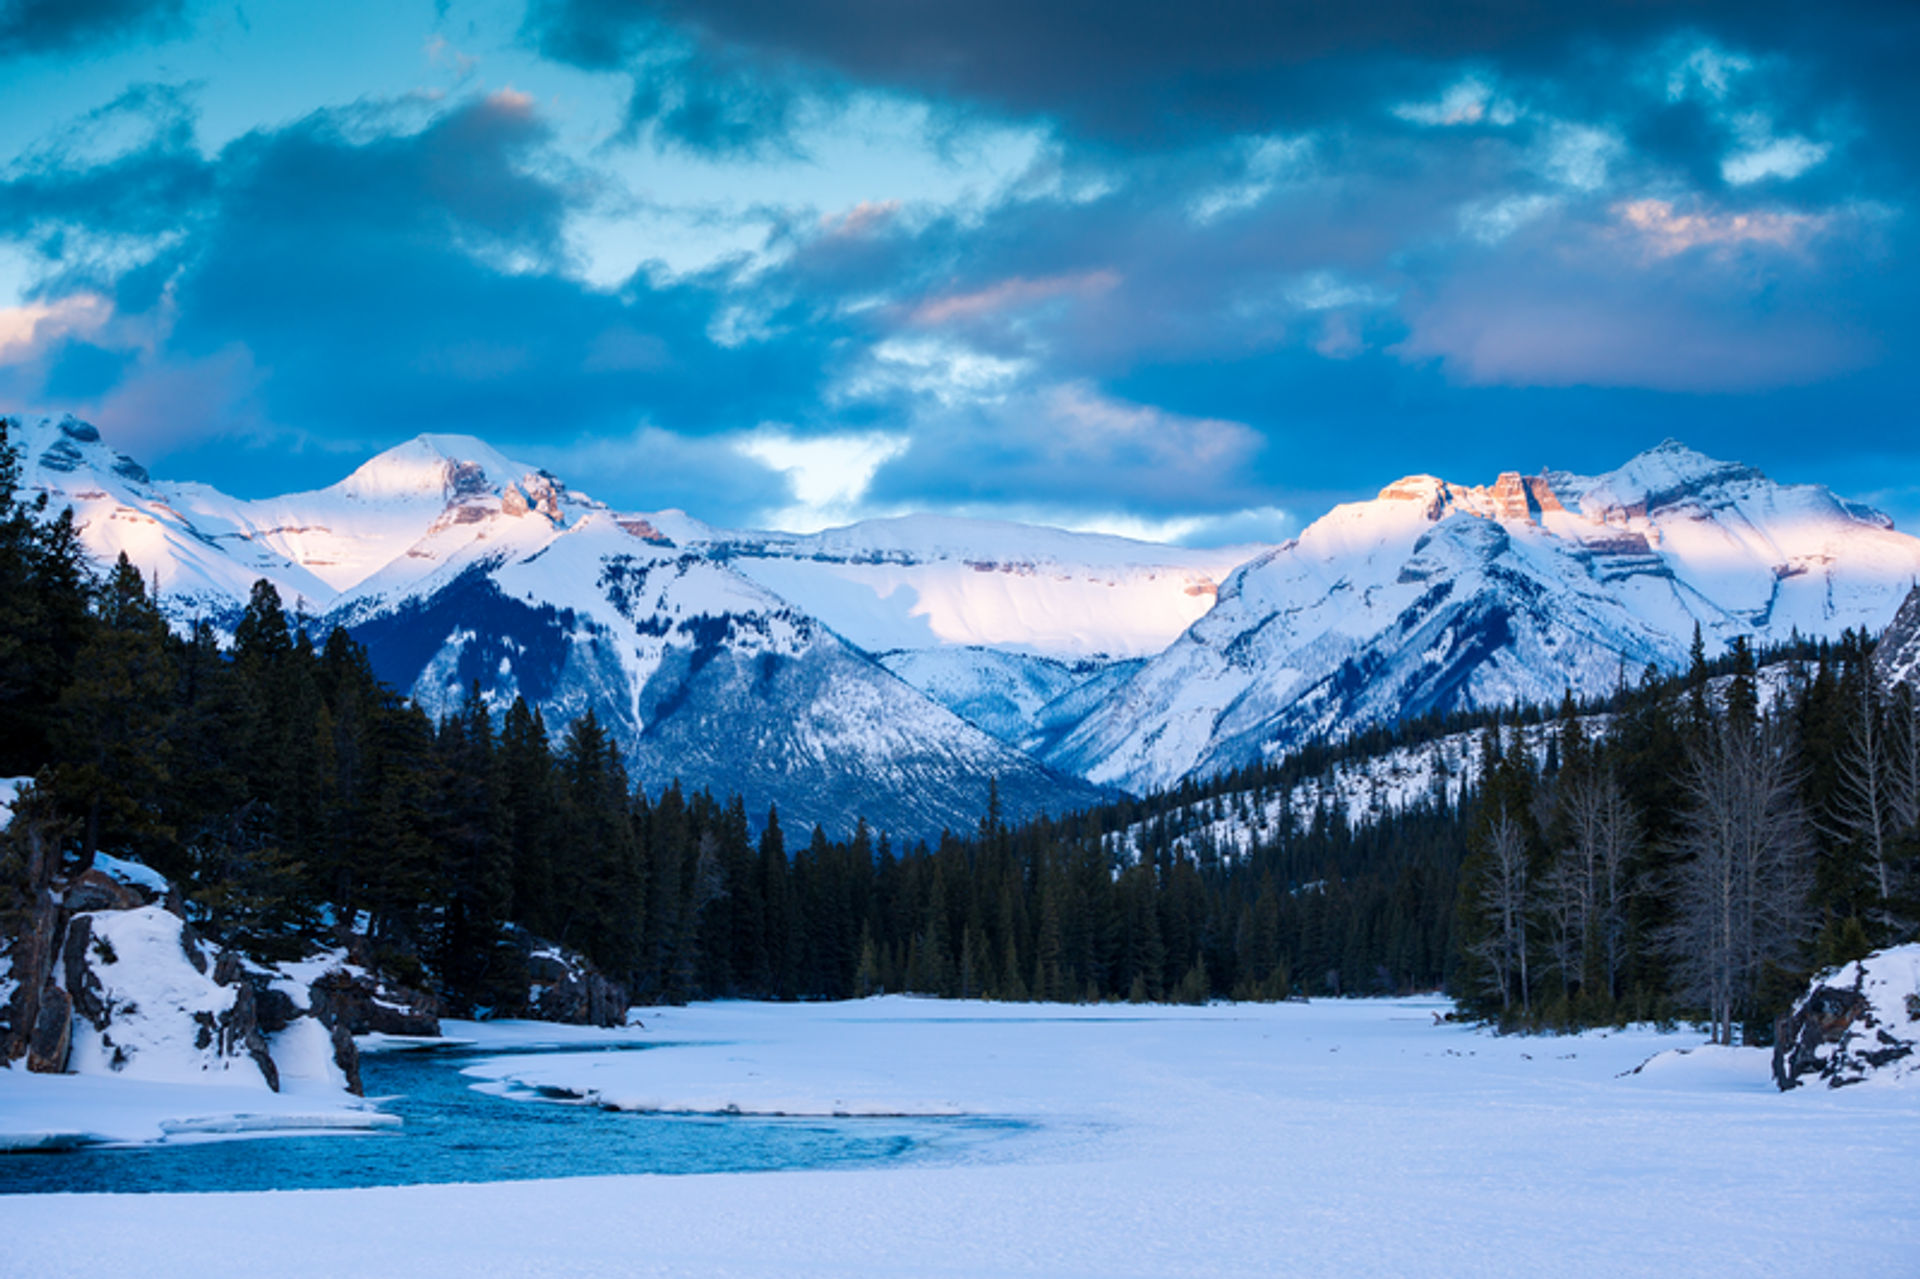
287	791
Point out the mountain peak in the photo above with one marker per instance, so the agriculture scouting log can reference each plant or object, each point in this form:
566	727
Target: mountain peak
66	444
443	467
1664	474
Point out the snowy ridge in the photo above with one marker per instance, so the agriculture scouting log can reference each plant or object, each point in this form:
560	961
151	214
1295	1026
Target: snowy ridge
117	507
417	502
931	582
1435	596
993	620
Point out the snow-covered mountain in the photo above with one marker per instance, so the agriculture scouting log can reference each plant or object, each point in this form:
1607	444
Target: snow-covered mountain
890	667
396	516
118	507
699	673
995	621
454	564
1435	596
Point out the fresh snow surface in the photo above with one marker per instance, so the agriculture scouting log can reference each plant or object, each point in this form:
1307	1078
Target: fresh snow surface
1338	1138
40	1112
925	581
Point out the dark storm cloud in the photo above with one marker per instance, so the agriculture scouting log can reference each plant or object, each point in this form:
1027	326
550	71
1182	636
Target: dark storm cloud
1142	70
1410	286
30	27
144	188
362	275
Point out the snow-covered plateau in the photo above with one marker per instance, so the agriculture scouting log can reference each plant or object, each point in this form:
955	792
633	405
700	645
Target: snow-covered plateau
1336	1138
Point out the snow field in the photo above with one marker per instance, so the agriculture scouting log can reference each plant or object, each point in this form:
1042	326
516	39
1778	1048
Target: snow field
1337	1138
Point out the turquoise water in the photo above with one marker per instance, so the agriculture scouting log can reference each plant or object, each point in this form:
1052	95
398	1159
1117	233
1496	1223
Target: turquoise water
453	1133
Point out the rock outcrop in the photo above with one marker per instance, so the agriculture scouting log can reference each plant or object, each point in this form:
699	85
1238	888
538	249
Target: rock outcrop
1858	1022
361	1002
104	975
1896	658
563	986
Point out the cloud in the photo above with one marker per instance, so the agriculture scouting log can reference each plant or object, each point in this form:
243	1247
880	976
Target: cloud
30	27
1664	231
1467	101
1010	295
1490	221
370	272
1072	447
1784	158
1706	301
828	475
1266	163
1243	239
1129	71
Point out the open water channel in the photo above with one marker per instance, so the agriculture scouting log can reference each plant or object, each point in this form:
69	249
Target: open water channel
453	1132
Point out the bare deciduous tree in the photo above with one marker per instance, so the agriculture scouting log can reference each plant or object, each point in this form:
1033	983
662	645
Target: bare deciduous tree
1741	886
1585	891
1505	900
1862	805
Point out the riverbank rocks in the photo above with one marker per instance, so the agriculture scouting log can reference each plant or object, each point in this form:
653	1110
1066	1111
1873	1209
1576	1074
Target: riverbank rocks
358	1000
563	986
51	1041
143	1008
1858	1022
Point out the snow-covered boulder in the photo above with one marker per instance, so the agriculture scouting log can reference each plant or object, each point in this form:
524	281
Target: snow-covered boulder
1857	1022
146	1003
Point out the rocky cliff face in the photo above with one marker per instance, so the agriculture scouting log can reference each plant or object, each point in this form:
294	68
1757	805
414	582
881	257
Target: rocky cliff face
1896	659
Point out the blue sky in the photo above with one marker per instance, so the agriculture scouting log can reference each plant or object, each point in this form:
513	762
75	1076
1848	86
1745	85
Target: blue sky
1189	272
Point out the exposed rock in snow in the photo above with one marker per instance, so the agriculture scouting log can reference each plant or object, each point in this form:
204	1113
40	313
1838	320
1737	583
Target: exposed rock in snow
564	987
358	1000
1856	1023
147	1004
1896	658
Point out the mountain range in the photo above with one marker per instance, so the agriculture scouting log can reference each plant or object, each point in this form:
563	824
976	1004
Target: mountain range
889	669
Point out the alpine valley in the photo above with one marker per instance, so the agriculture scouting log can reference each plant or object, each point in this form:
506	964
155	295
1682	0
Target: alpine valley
890	669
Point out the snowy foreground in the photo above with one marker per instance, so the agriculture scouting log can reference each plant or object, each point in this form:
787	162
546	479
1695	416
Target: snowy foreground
1338	1138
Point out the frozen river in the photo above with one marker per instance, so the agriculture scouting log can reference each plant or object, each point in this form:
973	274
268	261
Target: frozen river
1340	1138
455	1129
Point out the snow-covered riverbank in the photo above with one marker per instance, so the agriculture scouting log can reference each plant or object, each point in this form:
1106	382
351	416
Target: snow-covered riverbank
1337	1138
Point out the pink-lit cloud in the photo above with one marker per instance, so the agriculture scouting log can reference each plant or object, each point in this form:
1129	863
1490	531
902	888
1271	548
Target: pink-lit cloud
1012	294
1662	230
